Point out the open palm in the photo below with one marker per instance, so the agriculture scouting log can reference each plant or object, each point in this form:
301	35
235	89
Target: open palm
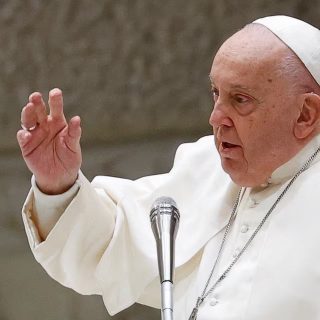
52	149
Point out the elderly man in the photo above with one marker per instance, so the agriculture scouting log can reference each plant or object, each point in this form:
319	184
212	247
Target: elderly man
247	246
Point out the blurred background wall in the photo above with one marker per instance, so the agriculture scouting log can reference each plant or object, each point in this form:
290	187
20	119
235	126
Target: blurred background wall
136	71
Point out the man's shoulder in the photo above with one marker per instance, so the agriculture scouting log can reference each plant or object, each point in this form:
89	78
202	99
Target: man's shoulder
201	150
199	159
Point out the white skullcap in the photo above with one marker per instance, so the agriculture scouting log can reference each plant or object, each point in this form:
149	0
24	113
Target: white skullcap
302	38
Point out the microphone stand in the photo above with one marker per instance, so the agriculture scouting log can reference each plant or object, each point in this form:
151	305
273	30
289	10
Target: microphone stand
164	218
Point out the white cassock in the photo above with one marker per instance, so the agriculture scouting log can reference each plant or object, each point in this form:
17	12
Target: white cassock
103	243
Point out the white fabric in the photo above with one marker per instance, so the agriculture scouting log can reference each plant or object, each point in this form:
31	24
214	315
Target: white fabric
103	243
53	205
302	38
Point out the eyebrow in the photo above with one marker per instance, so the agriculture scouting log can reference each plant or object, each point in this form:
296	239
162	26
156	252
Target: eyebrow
233	86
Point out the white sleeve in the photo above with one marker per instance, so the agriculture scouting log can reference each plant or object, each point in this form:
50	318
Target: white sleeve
75	244
48	208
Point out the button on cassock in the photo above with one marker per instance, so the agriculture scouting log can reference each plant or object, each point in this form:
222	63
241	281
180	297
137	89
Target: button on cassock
253	203
213	302
244	228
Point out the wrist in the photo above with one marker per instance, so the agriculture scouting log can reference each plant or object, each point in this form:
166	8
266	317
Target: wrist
55	188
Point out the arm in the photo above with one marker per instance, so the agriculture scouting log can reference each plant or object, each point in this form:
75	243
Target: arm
103	243
47	209
70	239
51	149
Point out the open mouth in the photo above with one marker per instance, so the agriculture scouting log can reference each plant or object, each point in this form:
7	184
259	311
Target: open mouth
227	145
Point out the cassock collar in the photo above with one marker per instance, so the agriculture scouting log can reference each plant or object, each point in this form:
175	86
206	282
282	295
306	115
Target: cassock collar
290	168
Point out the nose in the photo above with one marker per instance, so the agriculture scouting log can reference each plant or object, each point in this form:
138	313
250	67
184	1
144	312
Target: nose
219	117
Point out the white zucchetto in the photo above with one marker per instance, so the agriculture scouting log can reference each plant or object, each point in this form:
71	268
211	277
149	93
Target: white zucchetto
302	38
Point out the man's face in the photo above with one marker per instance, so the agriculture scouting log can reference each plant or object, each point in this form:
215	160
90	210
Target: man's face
254	108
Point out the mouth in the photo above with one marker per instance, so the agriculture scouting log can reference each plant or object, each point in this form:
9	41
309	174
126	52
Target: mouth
229	150
227	145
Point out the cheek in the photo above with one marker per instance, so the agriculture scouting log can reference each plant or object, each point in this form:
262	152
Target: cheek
248	131
257	138
266	139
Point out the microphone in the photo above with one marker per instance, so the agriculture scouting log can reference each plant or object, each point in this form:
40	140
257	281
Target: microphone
164	217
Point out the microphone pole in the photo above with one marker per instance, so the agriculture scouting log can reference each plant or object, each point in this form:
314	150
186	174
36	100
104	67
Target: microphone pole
164	217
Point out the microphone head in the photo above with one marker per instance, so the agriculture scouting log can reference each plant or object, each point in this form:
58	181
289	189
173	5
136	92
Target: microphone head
164	200
164	205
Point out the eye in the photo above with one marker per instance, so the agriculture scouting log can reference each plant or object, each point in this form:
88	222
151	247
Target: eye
215	94
240	98
243	103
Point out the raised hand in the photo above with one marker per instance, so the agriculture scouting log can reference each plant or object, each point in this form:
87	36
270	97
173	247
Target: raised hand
50	146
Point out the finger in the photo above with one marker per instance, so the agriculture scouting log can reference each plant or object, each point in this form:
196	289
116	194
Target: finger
29	141
56	104
40	107
23	138
29	116
74	133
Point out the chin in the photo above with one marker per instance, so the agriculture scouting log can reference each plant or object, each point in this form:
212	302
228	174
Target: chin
234	173
240	176
239	180
244	182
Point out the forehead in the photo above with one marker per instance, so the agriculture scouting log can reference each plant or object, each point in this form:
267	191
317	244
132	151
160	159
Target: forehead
251	54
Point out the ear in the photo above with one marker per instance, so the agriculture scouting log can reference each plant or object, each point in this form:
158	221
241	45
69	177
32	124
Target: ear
309	117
